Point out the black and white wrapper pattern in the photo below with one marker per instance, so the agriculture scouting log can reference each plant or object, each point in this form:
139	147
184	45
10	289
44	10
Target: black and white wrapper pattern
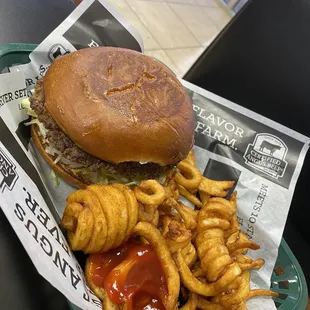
232	143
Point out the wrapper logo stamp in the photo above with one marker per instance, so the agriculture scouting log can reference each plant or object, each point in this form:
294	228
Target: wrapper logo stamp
267	154
8	175
56	51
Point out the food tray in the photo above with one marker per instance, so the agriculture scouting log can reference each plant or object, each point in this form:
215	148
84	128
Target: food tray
287	279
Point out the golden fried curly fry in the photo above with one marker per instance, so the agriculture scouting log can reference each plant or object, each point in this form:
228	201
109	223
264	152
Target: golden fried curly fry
167	208
239	240
154	237
247	263
191	303
167	211
116	215
190	211
205	289
204	197
215	188
233	200
197	272
189	176
178	237
190	254
148	213
100	218
188	215
89	232
150	192
236	293
238	243
189	196
171	188
235	297
170	176
155	221
131	205
171	192
213	219
190	158
234	227
260	292
79	223
205	304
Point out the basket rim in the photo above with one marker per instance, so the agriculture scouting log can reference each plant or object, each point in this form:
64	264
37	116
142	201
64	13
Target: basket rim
16	47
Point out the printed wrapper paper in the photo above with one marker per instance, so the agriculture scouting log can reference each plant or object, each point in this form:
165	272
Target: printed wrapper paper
231	143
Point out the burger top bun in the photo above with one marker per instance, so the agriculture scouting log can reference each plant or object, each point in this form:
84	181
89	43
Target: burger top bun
120	105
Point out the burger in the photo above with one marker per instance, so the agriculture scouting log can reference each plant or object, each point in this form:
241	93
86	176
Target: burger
104	114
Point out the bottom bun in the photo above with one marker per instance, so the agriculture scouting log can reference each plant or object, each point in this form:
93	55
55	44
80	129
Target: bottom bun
60	169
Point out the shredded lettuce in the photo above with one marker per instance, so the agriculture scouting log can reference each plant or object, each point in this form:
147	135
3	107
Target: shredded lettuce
96	177
43	130
70	163
100	177
52	151
103	177
58	158
131	184
25	103
54	177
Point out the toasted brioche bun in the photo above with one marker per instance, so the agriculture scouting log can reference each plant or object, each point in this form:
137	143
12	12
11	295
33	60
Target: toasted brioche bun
60	169
120	105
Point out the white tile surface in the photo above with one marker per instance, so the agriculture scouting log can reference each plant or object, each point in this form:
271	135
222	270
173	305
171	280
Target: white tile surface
218	16
149	41
125	10
183	1
184	58
209	3
163	23
121	5
164	58
154	0
198	22
175	32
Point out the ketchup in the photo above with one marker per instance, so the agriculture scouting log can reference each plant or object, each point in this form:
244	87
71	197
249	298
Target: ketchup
131	273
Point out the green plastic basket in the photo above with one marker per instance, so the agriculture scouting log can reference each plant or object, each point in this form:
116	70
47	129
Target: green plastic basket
287	278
